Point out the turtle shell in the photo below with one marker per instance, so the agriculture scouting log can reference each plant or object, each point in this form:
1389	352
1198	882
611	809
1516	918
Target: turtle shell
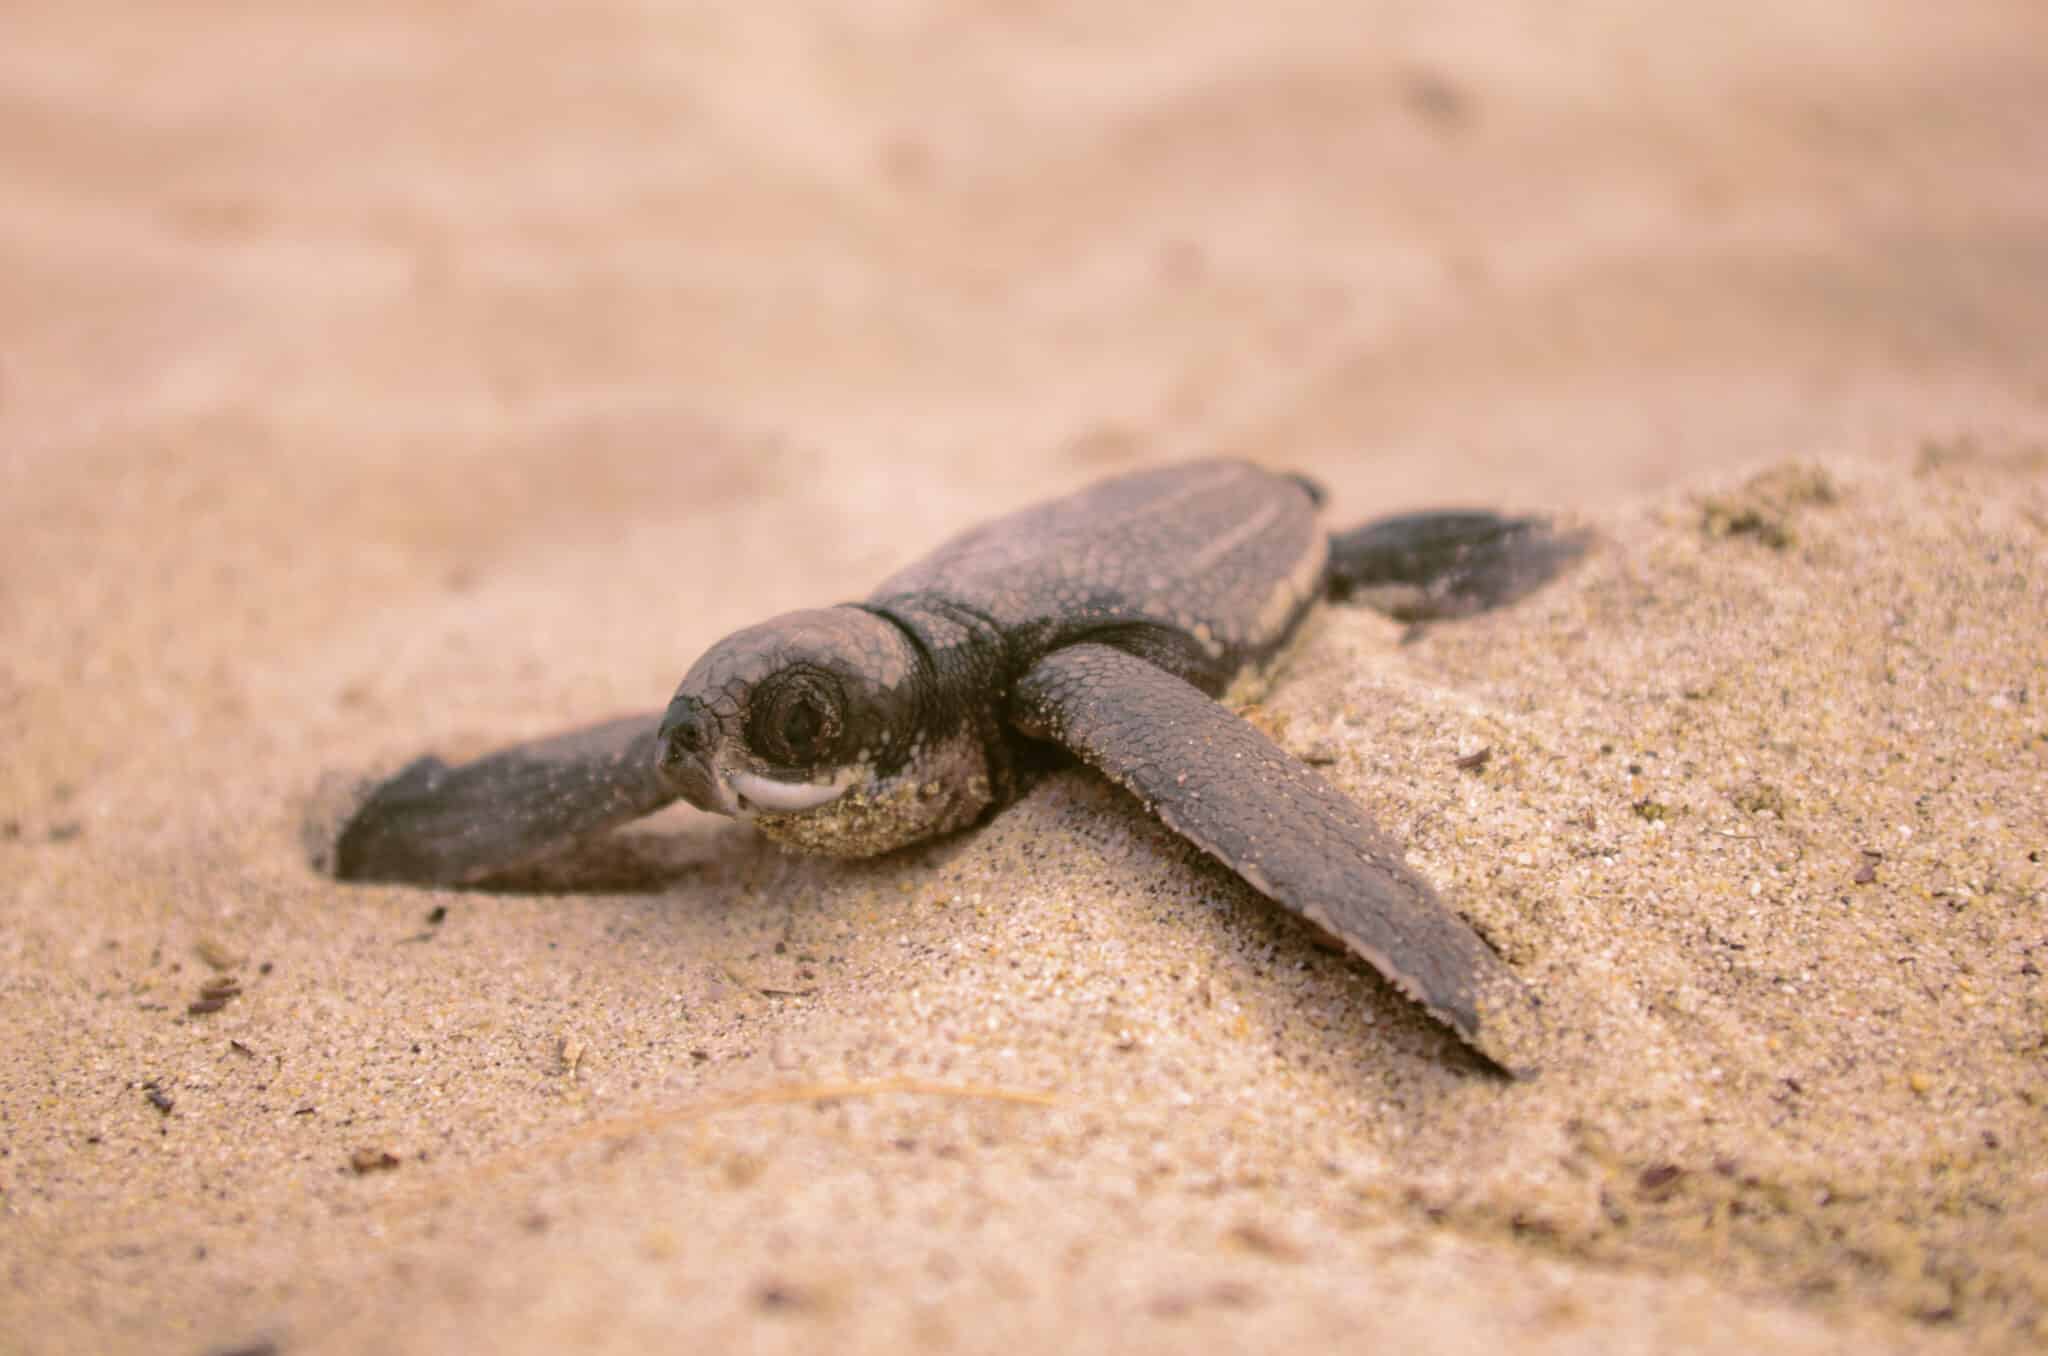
1205	568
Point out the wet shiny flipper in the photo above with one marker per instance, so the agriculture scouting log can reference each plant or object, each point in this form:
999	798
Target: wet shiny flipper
1264	814
433	824
1441	565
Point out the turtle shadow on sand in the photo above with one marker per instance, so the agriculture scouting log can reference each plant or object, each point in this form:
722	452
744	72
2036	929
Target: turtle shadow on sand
1104	627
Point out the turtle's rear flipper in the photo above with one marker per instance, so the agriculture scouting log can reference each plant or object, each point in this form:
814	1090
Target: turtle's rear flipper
1225	787
436	825
1439	565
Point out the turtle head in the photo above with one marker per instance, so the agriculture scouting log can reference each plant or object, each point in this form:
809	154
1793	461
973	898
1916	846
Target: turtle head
820	727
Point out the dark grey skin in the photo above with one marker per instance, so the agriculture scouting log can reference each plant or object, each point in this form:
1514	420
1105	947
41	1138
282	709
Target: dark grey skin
1106	623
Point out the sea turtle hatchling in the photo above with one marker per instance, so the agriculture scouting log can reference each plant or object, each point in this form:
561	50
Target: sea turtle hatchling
1108	623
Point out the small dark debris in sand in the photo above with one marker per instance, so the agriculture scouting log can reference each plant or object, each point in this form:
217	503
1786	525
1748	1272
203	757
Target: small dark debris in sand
1659	1182
158	1098
1651	811
363	1162
1867	872
1765	506
1762	798
782	1297
261	1347
1726	521
215	994
241	1049
1474	762
437	915
1233	1295
1436	100
65	831
1263	1241
906	162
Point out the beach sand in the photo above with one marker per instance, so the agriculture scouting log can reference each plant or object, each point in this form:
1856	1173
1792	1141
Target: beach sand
375	380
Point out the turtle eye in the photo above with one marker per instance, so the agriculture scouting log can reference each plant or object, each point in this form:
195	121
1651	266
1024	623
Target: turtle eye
798	724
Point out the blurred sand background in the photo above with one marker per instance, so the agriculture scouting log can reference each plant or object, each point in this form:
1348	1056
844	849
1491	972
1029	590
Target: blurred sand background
382	377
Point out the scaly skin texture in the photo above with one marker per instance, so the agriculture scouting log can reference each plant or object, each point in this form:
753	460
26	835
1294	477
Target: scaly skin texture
436	824
1204	569
1230	791
907	736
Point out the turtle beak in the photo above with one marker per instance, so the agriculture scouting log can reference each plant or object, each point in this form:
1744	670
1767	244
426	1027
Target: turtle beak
686	737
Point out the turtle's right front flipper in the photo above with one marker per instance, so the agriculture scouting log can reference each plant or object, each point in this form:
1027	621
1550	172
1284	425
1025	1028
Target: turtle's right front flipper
1263	813
436	825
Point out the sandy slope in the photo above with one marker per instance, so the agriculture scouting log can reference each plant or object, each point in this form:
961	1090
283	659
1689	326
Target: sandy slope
373	379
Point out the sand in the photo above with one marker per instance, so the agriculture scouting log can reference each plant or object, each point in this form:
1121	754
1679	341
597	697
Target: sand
375	380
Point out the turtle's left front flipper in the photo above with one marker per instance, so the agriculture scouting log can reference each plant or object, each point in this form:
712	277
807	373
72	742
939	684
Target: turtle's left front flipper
436	825
1246	802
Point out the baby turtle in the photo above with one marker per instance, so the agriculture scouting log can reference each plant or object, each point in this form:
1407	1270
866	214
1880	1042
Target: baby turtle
1106	623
